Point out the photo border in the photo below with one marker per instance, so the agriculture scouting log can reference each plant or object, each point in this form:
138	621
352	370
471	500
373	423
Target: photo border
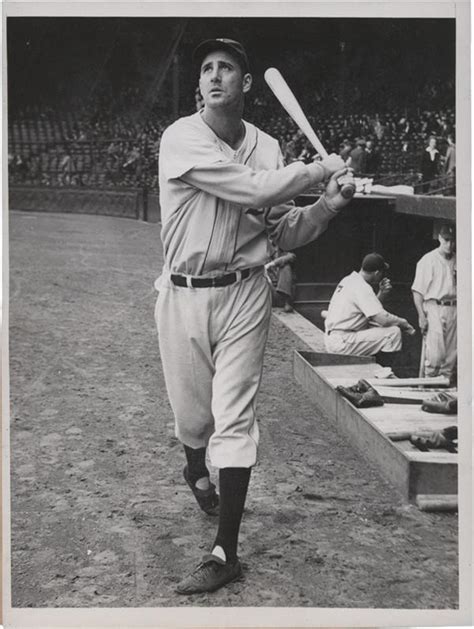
269	616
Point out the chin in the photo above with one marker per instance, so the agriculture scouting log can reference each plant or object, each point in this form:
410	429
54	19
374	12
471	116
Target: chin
214	102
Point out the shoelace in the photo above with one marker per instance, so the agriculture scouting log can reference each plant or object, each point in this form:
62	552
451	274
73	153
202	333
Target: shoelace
208	567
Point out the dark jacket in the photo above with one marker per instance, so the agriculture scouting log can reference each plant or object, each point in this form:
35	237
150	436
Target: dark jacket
429	167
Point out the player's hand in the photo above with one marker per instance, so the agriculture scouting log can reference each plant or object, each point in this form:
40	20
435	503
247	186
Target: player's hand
333	195
331	164
407	328
385	287
423	324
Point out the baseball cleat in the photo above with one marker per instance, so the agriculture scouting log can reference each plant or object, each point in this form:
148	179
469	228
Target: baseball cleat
211	574
207	499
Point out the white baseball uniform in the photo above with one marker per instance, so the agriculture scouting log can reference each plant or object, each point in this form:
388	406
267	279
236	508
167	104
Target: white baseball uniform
219	206
348	326
435	280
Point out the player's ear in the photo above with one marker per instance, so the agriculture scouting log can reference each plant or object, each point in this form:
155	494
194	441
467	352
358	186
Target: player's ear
246	82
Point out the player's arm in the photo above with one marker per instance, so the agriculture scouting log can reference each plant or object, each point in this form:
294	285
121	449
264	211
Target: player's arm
366	300
193	158
386	319
421	283
243	186
290	227
286	258
418	300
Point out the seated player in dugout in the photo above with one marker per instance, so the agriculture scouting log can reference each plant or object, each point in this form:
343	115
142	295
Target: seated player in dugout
357	323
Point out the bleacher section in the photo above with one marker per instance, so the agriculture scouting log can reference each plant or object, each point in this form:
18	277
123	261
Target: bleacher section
99	146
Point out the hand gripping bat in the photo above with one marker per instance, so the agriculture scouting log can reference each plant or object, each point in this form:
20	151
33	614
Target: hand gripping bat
287	99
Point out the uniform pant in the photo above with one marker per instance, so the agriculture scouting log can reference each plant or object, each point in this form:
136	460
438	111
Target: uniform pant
440	339
212	342
285	284
365	342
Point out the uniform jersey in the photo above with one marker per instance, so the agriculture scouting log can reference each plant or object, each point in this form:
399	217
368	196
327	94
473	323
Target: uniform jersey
219	208
352	304
220	205
435	276
435	279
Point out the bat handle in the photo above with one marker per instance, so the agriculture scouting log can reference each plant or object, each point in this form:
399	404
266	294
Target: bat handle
347	189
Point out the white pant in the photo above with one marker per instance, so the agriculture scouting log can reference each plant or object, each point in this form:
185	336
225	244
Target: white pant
440	339
366	342
212	342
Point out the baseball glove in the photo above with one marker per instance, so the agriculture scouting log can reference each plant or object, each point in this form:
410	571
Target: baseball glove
362	395
441	403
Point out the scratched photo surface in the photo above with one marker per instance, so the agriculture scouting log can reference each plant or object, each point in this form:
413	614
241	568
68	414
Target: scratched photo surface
100	513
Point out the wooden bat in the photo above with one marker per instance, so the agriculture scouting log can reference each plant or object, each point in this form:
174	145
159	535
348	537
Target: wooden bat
280	88
422	357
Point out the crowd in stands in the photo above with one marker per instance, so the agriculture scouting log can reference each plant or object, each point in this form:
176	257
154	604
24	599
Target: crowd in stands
112	147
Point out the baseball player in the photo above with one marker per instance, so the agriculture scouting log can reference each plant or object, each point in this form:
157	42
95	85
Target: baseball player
356	321
434	295
282	279
223	192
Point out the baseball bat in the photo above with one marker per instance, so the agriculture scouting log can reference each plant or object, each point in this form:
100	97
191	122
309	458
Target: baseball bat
287	99
421	372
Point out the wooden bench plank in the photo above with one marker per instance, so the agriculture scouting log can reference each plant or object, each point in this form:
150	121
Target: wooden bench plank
438	456
407	418
353	373
439	383
413	472
397	383
437	502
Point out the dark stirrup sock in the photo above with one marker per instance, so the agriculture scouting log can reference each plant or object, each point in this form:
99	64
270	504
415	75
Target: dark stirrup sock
196	458
233	485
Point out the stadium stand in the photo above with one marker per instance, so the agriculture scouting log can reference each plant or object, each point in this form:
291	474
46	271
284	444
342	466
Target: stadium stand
104	144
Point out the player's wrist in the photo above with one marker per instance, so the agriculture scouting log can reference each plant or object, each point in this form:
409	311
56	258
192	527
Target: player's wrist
317	172
330	207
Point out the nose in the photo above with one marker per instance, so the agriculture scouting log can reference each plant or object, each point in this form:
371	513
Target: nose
215	74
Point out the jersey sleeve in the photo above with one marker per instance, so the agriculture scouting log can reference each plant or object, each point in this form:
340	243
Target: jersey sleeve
423	276
367	301
183	147
290	226
191	155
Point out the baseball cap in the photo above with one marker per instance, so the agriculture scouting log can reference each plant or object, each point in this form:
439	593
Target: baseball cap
233	47
374	262
447	231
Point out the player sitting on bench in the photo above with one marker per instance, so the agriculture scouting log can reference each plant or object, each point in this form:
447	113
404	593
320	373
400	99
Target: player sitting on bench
357	323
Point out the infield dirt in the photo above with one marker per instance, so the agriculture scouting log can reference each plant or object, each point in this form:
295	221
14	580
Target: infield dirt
101	516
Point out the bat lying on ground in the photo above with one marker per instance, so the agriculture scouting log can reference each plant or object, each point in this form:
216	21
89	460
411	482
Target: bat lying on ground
288	100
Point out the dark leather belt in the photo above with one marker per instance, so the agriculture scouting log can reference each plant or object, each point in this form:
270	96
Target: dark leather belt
446	302
209	282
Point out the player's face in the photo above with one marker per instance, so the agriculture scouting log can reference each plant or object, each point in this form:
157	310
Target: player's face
447	245
222	82
376	278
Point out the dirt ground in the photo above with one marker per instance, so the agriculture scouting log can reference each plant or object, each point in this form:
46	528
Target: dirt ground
100	514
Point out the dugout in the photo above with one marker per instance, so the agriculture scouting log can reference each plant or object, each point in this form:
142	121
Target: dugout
401	228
